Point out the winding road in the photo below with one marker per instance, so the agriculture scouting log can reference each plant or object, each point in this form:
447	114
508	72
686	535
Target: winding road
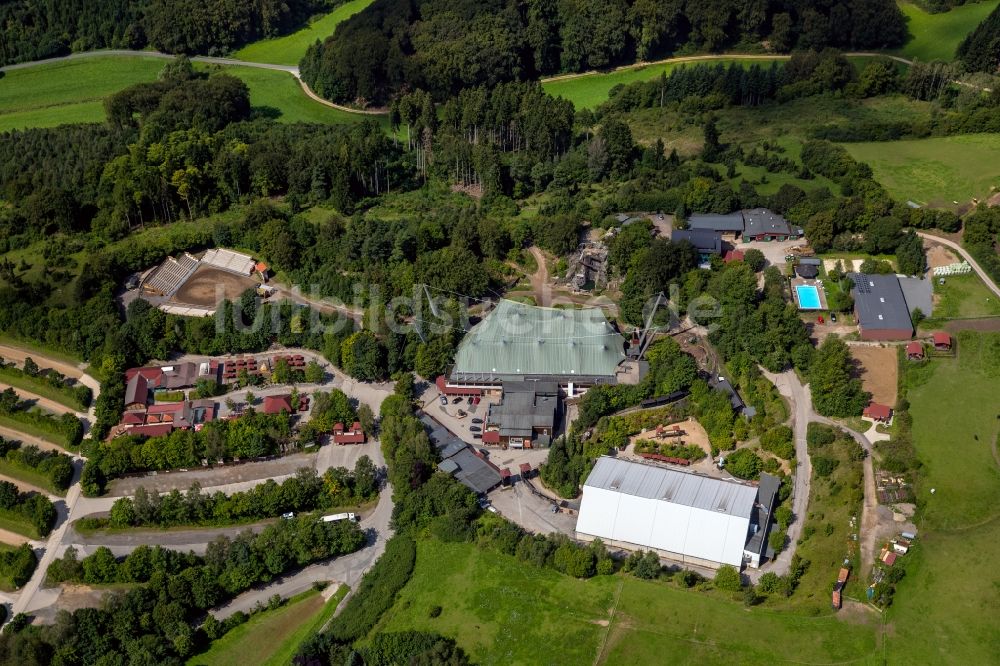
983	275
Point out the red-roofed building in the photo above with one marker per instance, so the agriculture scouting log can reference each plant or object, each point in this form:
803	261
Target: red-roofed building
915	351
134	418
355	435
888	558
878	412
136	393
442	385
275	404
942	341
155	430
491	437
733	255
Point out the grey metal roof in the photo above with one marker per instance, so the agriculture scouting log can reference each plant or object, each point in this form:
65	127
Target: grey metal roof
767	493
522	408
684	488
762	221
458	459
705	241
879	302
515	340
918	293
810	261
716	222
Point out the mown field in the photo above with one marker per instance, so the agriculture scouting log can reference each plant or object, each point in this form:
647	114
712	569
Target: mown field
935	171
289	49
73	92
936	36
502	611
964	296
945	607
271	638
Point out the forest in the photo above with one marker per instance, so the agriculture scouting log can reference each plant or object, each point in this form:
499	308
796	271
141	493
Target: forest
980	50
391	46
32	30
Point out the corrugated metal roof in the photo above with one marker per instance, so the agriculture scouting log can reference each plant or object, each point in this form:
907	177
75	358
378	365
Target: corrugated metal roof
700	492
517	340
715	222
918	293
879	302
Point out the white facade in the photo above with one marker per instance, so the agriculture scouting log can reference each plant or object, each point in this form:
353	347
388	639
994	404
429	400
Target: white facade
683	516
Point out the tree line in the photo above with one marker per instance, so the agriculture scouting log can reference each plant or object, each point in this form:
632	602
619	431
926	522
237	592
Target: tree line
57	468
36	30
391	46
33	512
176	588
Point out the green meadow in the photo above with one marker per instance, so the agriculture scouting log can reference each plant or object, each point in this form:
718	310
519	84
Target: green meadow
936	36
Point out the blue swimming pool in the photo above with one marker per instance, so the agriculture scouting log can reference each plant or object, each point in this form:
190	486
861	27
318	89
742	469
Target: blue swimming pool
808	297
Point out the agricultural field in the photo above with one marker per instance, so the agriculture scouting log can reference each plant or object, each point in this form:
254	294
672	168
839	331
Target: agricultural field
289	49
503	611
73	92
936	36
941	609
937	171
878	369
273	636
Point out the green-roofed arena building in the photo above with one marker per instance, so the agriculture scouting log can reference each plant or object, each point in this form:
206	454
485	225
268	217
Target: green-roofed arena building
577	348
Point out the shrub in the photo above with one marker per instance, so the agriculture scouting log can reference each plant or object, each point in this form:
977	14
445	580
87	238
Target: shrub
727	578
779	441
744	464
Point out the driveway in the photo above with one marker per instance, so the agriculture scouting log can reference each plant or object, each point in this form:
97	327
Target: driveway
983	275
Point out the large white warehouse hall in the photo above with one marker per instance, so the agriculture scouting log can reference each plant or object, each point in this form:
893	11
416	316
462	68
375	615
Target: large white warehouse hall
686	517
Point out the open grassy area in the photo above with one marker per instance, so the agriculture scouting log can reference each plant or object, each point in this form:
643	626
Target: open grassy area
943	608
272	637
68	92
29	428
935	171
73	92
963	296
289	49
936	36
14	523
502	611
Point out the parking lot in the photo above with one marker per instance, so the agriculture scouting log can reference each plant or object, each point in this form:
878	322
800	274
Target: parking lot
531	512
449	417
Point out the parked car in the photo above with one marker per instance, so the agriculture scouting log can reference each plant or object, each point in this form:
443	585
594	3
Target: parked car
477	420
484	502
475	428
289	515
462	414
456	400
486	454
477	435
491	509
833	317
475	401
444	400
469	401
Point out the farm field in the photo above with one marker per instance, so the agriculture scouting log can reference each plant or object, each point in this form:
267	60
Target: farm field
878	370
73	92
935	171
941	607
271	637
936	36
503	611
289	49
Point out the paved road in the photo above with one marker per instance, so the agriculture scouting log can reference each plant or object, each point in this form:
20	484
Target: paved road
984	276
799	397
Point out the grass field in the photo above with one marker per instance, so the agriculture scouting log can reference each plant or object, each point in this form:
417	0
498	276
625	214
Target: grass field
271	638
943	608
288	50
963	296
502	611
15	523
40	387
73	92
935	171
936	36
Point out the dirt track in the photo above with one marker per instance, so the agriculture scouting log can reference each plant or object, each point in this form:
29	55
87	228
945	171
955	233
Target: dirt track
210	285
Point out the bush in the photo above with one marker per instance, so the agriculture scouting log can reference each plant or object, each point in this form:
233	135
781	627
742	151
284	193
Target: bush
779	441
56	467
744	464
31	509
728	579
18	565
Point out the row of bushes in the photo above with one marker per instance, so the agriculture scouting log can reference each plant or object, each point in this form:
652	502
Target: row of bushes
33	512
17	565
64	429
56	467
46	383
304	492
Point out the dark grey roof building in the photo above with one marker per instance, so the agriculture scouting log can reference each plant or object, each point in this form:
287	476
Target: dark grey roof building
706	241
758	548
918	293
527	411
760	223
880	307
459	460
729	223
722	384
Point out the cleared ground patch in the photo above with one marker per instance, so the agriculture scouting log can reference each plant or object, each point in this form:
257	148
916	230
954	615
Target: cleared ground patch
936	36
502	611
877	368
289	49
208	286
936	171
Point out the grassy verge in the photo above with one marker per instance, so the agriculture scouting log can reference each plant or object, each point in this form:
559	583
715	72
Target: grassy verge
15	523
936	36
29	476
934	171
940	607
271	637
40	387
30	428
289	49
41	352
502	610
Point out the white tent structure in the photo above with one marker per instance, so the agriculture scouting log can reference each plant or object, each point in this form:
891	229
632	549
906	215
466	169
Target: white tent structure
685	517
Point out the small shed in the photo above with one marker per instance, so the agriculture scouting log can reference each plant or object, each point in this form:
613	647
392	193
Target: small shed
352	435
525	471
733	255
915	351
889	558
942	341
